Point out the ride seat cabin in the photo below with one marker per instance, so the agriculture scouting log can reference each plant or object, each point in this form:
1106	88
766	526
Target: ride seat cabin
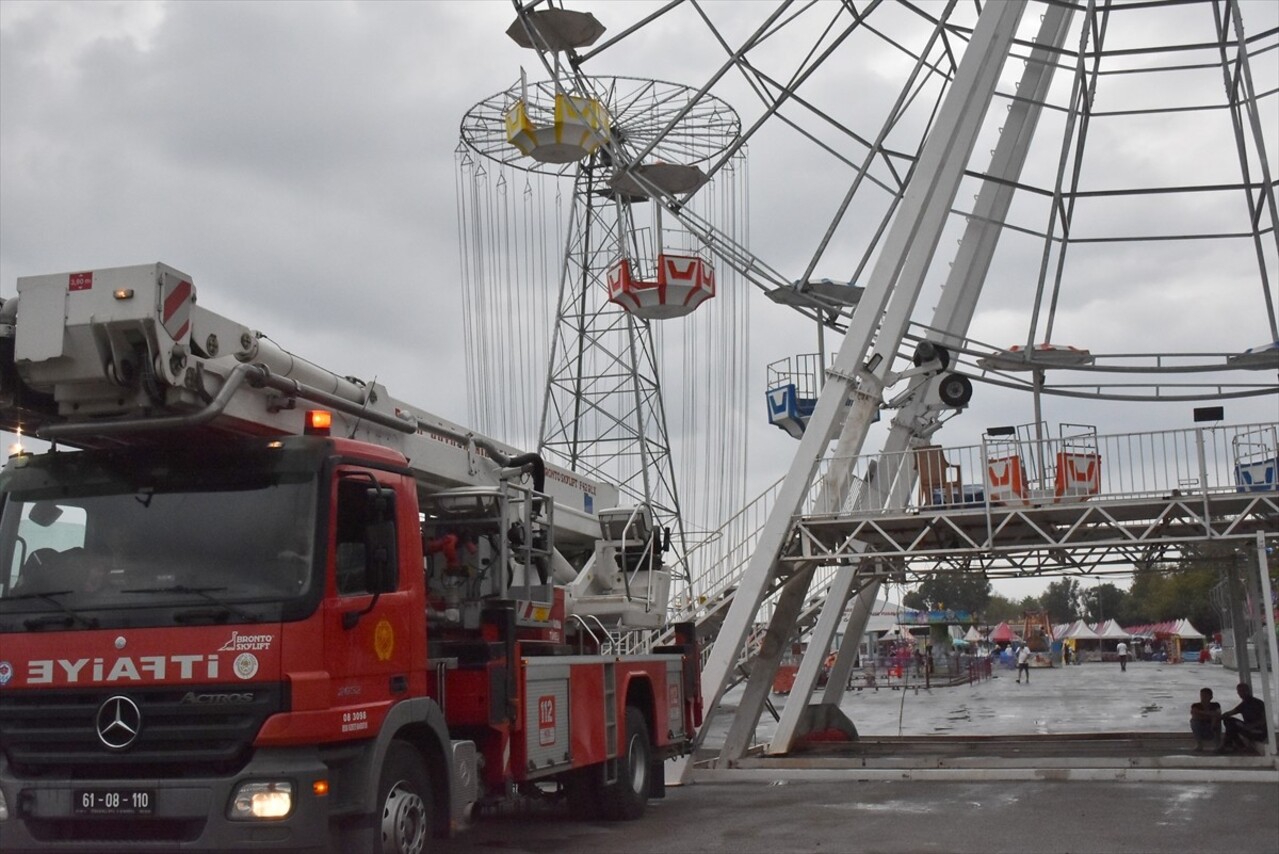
940	481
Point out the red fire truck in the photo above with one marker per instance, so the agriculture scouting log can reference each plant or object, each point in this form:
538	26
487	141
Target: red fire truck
247	603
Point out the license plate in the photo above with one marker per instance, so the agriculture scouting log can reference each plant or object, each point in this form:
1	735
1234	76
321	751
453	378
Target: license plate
119	801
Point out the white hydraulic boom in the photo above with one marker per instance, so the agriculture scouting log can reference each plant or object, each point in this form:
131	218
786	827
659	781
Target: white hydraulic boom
117	356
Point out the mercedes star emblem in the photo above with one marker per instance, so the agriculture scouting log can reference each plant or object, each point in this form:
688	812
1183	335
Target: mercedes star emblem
119	722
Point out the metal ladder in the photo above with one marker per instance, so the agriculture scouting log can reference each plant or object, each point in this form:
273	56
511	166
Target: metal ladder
610	723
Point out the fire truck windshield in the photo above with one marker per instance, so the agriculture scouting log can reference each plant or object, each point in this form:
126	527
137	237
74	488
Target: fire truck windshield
135	538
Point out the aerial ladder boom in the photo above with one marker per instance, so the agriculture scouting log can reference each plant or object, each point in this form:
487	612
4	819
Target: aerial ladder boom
121	356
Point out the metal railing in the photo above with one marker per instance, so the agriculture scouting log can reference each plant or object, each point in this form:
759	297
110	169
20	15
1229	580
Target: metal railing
1073	466
908	671
717	563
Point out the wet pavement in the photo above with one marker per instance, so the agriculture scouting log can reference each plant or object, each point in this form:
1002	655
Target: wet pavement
775	809
1091	721
1088	698
982	818
1085	698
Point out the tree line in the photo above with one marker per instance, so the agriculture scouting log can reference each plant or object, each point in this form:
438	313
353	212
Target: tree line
1159	591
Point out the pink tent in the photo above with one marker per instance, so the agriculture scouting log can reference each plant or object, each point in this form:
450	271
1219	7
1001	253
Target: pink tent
1003	633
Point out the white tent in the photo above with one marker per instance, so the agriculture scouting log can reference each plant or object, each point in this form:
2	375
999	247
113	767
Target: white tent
1186	631
1083	640
1079	630
973	636
1110	630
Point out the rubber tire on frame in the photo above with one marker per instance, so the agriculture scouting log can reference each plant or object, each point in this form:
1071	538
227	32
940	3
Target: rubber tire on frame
626	799
955	390
926	351
403	821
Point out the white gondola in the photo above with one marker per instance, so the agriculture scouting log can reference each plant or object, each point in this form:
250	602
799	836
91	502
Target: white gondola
580	127
683	283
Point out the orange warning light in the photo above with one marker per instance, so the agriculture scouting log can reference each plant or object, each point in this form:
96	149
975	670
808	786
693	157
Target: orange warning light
320	788
318	422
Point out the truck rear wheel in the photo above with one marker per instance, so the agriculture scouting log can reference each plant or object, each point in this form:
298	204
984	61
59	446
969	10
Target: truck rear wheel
404	799
626	799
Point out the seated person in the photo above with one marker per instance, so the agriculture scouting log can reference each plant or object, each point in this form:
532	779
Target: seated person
84	572
1251	724
1205	719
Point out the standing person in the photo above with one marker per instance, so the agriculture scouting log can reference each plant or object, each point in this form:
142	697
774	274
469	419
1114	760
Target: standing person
1023	664
1251	725
1122	649
1065	654
1205	719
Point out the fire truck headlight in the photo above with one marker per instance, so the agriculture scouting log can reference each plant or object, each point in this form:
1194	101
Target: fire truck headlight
261	800
4	807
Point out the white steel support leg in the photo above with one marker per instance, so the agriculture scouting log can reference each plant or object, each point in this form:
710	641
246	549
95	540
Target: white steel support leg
858	618
1266	626
793	719
952	318
885	307
790	602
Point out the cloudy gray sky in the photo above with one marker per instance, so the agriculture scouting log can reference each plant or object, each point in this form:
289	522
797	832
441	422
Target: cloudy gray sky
297	160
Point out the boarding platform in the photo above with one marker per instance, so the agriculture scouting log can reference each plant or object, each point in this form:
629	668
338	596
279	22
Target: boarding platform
1014	505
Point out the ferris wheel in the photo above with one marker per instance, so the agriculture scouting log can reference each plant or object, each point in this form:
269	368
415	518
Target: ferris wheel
1092	223
1128	249
1050	201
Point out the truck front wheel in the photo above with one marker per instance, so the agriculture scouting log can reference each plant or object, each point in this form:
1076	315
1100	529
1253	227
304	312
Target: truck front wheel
404	798
626	799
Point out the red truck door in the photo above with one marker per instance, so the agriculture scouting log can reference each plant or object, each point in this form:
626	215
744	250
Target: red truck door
367	633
